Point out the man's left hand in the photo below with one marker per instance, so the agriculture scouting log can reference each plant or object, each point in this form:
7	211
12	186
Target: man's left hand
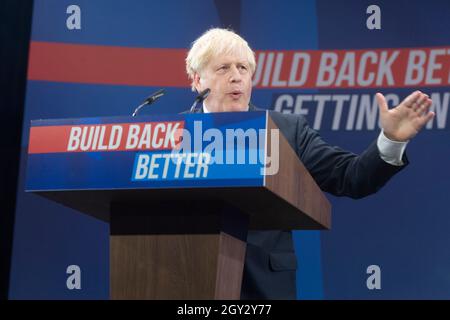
405	120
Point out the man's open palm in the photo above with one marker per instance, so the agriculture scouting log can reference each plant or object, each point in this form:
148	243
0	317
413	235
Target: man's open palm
405	120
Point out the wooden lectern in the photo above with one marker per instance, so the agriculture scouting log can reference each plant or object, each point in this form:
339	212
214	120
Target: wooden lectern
172	237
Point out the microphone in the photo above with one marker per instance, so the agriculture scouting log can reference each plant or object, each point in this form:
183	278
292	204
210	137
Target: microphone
202	96
158	94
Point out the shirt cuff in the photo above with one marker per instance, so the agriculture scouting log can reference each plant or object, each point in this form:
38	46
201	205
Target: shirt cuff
391	151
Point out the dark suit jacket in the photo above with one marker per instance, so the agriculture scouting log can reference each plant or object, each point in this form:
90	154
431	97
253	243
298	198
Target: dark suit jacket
270	263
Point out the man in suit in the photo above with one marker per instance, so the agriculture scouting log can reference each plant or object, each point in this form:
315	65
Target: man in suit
223	62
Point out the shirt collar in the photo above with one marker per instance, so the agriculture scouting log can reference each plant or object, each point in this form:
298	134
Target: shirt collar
205	108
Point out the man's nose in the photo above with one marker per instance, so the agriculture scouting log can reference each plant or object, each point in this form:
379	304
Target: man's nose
235	75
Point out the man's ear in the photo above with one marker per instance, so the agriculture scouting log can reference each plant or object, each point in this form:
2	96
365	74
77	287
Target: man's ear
197	82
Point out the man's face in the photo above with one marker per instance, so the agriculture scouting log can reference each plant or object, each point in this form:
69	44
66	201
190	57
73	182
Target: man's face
230	79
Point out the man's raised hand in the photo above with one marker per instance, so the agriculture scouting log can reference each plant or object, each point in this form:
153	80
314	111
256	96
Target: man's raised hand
405	120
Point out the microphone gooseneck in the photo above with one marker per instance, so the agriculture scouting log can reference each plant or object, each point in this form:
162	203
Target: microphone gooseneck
202	96
149	100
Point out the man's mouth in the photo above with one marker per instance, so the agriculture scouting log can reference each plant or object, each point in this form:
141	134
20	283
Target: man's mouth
236	94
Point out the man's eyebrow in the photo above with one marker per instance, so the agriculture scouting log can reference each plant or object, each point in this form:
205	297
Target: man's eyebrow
227	64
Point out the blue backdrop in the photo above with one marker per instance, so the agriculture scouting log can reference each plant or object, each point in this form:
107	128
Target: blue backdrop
403	229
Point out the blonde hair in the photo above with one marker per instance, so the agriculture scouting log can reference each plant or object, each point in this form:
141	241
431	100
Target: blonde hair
212	43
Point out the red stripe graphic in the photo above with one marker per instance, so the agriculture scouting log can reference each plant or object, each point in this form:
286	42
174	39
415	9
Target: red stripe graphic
306	69
61	62
368	68
106	137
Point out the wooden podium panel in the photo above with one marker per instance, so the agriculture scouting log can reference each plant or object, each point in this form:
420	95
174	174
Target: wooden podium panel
173	238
